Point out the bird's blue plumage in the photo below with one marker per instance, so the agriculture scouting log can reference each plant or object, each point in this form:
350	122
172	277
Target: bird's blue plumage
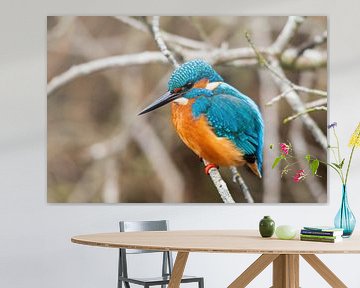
235	116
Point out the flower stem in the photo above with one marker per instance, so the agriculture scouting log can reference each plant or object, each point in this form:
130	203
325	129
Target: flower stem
340	159
350	159
336	169
337	143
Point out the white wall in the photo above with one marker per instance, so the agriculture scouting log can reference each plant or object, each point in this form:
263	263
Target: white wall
35	248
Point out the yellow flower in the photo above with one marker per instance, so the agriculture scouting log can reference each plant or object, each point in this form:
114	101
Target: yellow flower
355	138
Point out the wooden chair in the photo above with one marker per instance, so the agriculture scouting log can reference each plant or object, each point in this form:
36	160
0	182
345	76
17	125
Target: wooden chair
167	262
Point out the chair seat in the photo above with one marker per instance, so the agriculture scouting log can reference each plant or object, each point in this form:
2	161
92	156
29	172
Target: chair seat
158	280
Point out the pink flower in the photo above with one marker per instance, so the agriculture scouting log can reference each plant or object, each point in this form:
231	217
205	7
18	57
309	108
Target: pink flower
284	148
299	176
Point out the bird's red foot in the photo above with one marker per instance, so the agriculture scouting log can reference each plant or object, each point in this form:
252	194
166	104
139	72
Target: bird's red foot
210	166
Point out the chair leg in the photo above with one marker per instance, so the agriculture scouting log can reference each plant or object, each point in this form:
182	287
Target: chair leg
201	283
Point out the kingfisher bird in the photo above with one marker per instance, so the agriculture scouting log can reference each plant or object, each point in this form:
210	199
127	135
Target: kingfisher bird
215	120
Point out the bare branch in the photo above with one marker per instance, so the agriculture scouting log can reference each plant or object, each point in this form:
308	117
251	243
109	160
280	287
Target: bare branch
281	77
244	188
297	115
131	21
218	55
172	180
102	64
220	184
293	98
111	189
267	88
161	43
310	59
168	37
297	105
287	34
319	102
235	57
316	41
279	97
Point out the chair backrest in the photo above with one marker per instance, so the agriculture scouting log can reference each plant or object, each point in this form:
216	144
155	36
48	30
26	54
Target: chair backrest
135	226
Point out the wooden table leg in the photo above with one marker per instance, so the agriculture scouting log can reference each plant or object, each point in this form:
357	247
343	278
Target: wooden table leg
253	270
324	271
178	270
286	271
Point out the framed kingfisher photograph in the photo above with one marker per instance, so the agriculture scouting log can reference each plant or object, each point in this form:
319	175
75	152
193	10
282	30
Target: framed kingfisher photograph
187	109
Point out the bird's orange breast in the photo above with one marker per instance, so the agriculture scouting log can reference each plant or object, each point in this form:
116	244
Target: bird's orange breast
200	137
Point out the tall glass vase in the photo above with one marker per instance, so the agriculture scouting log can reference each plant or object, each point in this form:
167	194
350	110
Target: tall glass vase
345	219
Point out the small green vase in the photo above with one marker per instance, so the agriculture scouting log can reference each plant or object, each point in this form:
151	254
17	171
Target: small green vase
267	227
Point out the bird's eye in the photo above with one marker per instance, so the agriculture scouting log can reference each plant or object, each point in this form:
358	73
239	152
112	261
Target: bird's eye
188	85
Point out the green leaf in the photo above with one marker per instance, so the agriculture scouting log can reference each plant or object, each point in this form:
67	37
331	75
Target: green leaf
276	161
314	165
308	157
336	165
342	163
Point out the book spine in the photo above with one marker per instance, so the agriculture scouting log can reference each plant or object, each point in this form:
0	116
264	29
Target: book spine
320	233
317	239
318	236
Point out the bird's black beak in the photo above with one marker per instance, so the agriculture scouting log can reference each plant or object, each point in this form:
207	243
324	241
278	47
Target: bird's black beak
164	99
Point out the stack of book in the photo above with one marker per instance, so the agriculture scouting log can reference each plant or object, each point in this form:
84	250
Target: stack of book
321	234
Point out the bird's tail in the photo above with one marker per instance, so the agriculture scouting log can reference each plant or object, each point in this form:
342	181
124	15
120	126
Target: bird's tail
254	168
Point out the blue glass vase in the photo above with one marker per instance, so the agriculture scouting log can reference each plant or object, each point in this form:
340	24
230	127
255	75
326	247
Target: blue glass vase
345	219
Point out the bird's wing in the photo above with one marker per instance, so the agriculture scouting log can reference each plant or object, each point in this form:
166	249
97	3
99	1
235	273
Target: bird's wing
235	118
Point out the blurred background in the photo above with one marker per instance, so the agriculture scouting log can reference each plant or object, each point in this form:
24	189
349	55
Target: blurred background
99	150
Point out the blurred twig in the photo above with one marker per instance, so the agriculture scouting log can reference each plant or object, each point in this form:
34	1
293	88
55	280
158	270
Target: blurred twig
306	111
319	102
298	106
288	89
267	88
161	43
140	131
102	64
168	37
111	187
213	56
240	181
244	56
264	62
287	34
317	40
308	60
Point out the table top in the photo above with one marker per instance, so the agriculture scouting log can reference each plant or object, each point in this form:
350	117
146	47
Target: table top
217	241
